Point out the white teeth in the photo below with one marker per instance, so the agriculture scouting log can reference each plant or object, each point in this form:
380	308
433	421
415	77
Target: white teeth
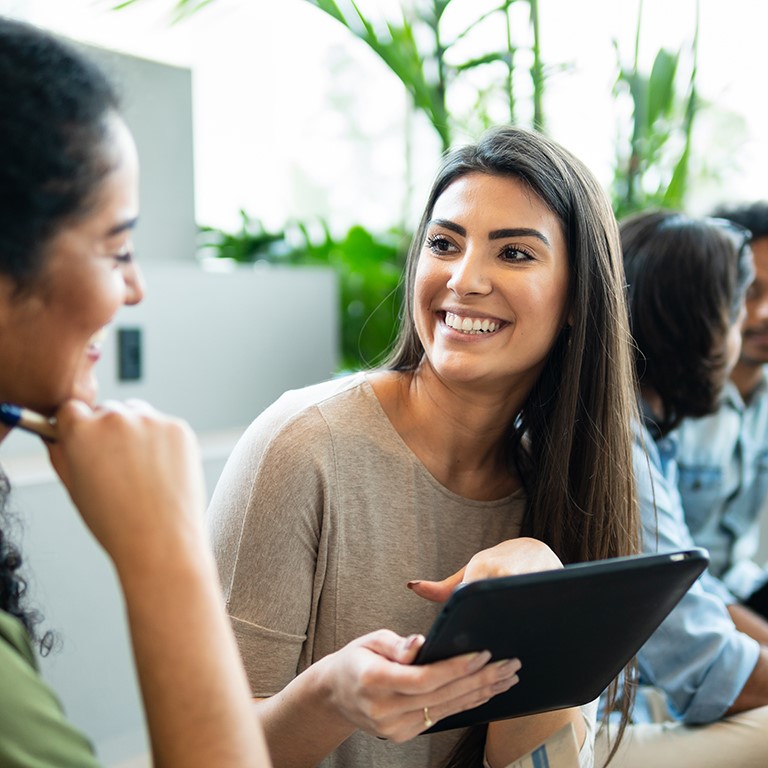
470	325
98	337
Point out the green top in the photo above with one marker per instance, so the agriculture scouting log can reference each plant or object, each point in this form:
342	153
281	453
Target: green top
34	733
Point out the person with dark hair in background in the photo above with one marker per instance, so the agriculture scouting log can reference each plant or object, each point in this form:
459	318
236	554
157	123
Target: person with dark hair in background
723	458
68	204
495	440
687	280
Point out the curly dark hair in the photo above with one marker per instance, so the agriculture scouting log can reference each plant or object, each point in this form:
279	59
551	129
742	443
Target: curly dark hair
13	587
54	110
687	279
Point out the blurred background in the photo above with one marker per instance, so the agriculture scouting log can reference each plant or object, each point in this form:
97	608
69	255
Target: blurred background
318	123
286	149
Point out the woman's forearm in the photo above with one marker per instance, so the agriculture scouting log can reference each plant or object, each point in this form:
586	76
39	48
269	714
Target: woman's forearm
300	725
194	688
508	740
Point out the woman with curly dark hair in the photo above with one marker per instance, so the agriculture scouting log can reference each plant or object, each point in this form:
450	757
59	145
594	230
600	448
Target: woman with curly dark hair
68	203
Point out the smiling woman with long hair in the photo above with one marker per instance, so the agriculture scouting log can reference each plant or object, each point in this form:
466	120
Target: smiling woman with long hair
495	440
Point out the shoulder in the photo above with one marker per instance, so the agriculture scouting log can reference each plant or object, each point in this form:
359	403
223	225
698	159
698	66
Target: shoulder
33	729
303	414
13	637
300	434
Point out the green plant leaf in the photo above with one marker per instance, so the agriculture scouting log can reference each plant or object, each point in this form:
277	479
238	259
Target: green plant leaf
181	10
487	58
661	86
675	192
400	52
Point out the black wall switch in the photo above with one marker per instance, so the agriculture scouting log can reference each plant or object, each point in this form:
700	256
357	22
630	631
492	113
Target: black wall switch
128	354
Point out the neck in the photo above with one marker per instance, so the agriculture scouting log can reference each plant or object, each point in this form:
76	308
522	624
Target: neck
746	378
456	431
653	400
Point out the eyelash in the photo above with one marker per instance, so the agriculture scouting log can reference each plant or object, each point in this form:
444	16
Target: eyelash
433	241
124	256
508	252
517	249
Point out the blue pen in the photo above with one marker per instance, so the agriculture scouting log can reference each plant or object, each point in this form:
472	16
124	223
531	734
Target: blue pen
16	416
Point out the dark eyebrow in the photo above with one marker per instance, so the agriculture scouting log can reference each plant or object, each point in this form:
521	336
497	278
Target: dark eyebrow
458	229
122	227
500	234
497	234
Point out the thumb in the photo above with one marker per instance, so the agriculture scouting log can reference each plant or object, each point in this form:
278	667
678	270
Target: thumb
67	416
437	591
392	646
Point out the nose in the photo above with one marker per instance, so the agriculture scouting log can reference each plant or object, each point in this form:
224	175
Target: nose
134	283
470	274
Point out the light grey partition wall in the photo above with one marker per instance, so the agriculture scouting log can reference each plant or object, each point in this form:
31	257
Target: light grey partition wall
217	348
156	102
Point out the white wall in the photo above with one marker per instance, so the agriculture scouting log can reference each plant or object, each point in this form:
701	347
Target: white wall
156	102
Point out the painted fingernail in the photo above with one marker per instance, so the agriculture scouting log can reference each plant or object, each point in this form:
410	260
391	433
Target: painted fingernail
412	641
478	660
412	584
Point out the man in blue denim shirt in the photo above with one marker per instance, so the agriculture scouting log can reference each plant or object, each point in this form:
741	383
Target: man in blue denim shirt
723	458
686	296
723	481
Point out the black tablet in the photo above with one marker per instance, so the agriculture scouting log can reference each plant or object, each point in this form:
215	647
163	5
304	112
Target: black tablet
573	629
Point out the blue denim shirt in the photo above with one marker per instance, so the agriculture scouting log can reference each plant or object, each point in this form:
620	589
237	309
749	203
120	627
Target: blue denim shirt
697	656
723	483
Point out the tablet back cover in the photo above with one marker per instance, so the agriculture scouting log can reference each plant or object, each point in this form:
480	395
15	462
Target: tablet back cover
573	629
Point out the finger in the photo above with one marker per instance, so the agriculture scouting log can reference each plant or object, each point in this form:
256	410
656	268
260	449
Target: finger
426	711
437	591
409	648
472	692
392	646
418	680
141	406
68	416
70	412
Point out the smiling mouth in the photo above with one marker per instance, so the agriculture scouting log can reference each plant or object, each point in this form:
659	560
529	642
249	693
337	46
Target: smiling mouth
472	325
97	340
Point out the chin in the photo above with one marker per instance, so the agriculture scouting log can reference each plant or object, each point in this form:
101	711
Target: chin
86	390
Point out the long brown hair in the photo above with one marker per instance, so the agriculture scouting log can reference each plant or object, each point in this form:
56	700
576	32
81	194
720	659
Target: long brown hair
571	442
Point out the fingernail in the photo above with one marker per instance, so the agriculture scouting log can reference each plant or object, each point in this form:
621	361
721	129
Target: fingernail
507	667
505	685
413	640
478	660
412	584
